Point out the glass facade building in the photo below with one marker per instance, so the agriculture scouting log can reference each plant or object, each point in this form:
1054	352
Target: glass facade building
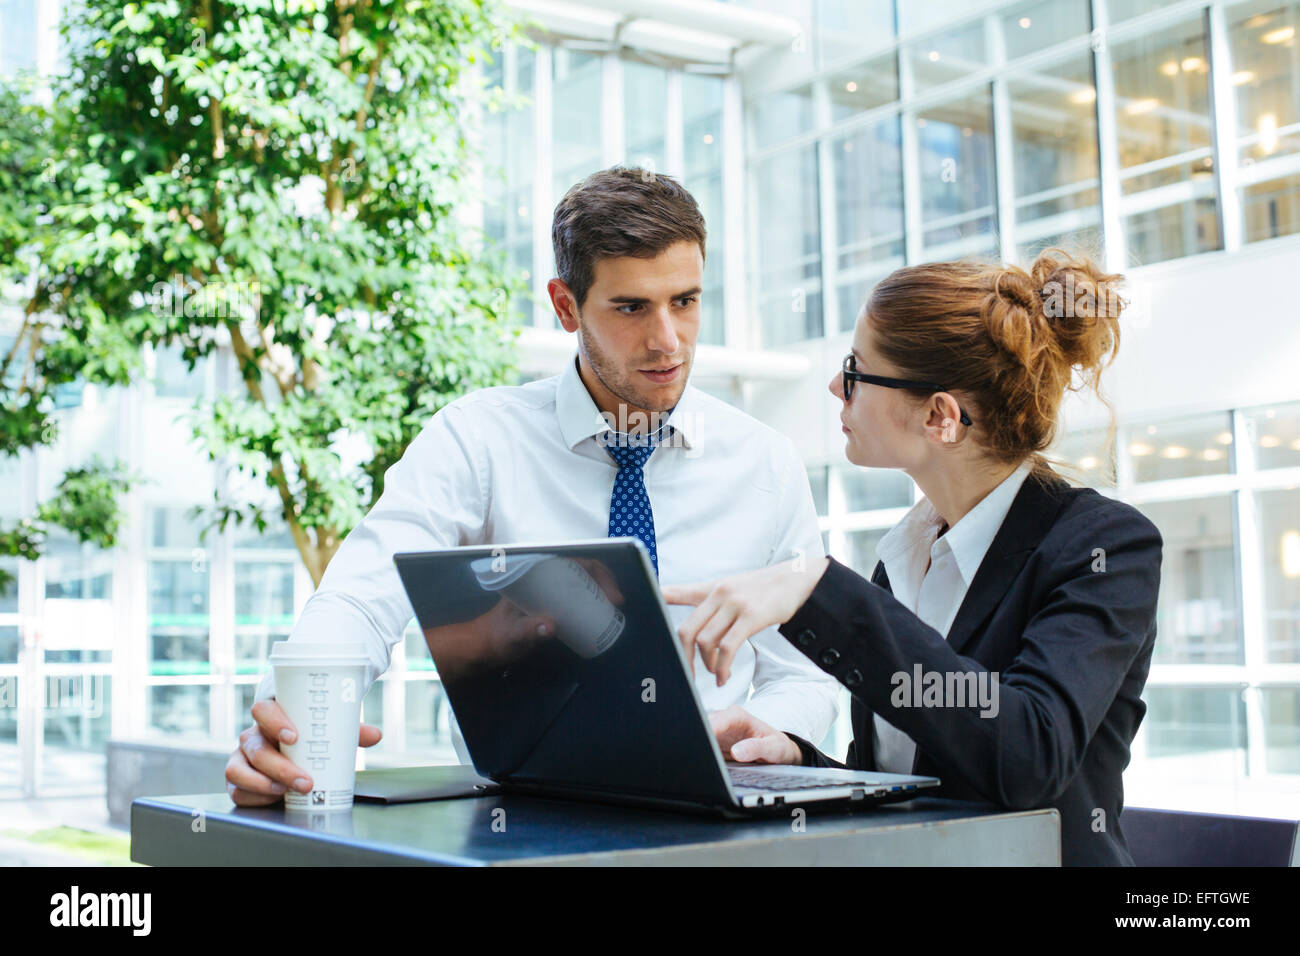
1163	137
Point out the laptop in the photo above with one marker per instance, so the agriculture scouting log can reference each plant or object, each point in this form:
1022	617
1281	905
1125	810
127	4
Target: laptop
600	704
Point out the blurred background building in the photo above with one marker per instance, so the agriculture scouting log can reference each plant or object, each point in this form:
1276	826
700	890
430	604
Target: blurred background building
828	142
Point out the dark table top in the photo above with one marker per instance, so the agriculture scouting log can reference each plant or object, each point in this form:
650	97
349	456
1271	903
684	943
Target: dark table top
208	830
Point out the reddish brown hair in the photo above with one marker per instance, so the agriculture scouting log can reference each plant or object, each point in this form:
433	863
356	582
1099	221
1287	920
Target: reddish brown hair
1008	339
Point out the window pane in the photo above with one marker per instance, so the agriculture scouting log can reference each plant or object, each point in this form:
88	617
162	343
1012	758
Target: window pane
263	611
702	151
645	115
1197	619
181	710
1057	177
372	710
1279	540
1127	9
178	617
958	204
1182	448
427	715
789	250
846	27
949	56
171	527
576	111
819	479
1030	27
1271	209
1281	707
508	183
869	213
1263	38
172	378
78	715
1275	435
867	489
1090	460
863	87
8	646
9	591
1207	721
76	570
1162	100
862	550
778	116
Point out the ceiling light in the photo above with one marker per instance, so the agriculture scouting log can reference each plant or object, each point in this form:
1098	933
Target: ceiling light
1280	35
1268	133
1173	451
851	86
1192	64
1291	554
1139	448
1025	23
934	55
1084	96
1169	69
1242	77
1138	107
1269	441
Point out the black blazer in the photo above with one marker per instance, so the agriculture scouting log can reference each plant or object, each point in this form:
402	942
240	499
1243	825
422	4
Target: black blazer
1063	608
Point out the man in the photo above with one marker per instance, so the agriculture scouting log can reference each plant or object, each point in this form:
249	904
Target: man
618	444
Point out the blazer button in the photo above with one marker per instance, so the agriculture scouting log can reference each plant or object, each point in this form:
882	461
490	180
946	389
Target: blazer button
853	678
830	657
805	638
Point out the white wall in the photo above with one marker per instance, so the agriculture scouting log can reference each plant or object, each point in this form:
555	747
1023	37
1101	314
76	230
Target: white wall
1208	332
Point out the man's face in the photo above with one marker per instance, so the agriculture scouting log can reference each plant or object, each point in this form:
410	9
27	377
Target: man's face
638	327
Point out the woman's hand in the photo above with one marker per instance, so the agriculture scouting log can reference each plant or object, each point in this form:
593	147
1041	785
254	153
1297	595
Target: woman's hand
731	610
746	739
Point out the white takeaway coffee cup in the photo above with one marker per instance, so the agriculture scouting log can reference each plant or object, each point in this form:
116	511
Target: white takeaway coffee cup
320	686
585	620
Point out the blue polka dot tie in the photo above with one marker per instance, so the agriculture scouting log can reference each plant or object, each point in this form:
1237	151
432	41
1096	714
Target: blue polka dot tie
629	504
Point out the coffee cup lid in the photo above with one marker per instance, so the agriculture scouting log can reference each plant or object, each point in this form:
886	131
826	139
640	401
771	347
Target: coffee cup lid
319	652
517	565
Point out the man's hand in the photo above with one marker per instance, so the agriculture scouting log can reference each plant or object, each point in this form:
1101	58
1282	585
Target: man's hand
257	773
746	739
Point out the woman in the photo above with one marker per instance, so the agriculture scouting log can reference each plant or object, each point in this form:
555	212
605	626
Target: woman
1004	639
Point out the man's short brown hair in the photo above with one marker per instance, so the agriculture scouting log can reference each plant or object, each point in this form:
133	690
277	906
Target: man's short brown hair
620	212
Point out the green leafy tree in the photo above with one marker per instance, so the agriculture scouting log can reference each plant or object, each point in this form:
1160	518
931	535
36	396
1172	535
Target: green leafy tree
287	177
64	334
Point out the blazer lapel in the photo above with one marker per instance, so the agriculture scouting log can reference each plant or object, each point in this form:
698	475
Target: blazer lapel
1031	515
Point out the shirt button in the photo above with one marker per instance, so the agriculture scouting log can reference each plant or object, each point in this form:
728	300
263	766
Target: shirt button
805	638
853	678
830	657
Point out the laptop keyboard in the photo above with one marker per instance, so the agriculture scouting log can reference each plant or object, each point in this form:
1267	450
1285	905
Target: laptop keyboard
760	780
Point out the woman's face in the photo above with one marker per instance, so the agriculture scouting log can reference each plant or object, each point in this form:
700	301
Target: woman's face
882	426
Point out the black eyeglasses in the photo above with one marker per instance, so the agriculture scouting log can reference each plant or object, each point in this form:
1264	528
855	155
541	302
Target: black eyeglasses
851	375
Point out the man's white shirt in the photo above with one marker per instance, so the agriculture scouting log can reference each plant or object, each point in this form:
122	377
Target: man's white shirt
522	465
935	595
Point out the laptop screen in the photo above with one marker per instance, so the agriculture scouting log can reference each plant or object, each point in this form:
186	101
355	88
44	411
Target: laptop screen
598	699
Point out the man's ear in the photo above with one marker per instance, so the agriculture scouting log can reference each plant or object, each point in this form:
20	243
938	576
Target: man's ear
564	303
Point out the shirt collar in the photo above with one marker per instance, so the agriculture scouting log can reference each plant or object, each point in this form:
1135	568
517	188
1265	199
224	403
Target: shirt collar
968	539
581	419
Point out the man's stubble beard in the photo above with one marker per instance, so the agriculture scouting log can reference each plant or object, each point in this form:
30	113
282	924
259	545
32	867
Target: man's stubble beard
616	382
